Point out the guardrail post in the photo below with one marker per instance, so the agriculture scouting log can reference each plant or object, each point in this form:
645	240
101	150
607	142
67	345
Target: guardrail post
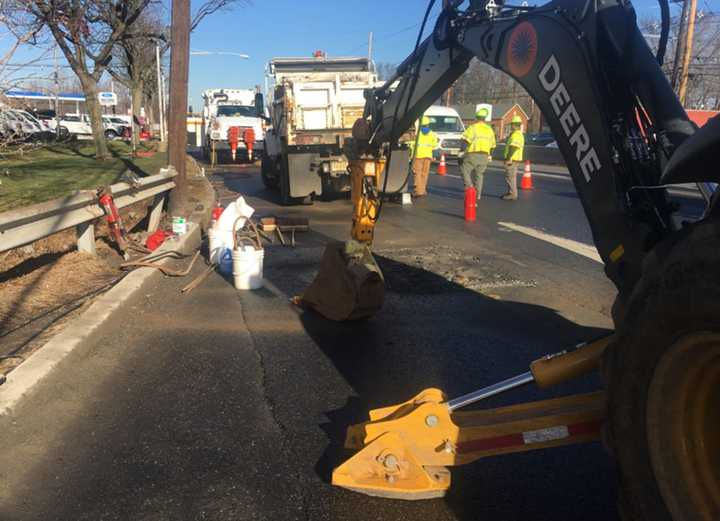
156	213
86	237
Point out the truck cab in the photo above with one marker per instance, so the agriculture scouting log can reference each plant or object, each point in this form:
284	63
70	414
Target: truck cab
227	108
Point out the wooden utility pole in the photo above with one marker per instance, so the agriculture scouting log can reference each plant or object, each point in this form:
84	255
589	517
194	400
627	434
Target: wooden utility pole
680	46
177	109
687	52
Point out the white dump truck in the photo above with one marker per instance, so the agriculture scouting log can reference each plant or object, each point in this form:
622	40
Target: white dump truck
314	103
228	109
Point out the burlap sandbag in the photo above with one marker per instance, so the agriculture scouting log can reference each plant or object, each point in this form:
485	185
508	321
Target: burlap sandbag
349	285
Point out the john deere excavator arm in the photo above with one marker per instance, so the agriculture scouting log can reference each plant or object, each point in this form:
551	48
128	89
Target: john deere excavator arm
601	90
618	125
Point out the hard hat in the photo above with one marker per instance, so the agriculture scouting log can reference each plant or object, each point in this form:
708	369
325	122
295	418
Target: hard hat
425	121
516	120
482	113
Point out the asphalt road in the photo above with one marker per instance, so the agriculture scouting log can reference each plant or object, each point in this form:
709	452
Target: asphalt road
223	405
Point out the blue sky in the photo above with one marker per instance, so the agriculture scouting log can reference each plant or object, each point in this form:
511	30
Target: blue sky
270	28
274	28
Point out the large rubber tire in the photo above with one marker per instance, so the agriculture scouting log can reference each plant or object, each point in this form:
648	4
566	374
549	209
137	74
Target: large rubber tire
269	173
665	327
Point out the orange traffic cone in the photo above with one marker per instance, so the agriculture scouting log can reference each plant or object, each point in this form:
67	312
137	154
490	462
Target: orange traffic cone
442	167
526	183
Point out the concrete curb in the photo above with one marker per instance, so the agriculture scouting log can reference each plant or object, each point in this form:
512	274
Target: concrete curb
41	362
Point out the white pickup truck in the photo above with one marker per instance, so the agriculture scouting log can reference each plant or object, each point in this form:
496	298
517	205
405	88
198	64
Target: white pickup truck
315	102
227	108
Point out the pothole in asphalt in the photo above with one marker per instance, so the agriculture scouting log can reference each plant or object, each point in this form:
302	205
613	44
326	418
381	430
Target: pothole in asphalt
439	269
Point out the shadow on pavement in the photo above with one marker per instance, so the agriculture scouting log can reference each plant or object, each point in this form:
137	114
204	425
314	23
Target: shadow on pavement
435	333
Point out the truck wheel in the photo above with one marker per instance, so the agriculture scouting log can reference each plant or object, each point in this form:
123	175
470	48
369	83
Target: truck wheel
663	376
269	173
110	135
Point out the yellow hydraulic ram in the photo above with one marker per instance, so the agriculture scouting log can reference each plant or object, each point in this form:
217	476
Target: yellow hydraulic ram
365	180
404	449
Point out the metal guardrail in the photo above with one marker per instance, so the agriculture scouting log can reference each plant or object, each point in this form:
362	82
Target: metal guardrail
26	225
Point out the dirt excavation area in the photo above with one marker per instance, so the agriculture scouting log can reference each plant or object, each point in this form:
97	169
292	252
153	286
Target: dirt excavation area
44	284
48	282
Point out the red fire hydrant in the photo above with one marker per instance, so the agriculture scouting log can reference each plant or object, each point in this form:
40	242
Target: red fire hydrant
115	224
249	139
470	204
233	139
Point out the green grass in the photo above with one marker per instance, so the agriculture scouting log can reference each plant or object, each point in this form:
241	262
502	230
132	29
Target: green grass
58	170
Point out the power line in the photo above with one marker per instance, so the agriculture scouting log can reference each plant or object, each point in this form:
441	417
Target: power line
383	37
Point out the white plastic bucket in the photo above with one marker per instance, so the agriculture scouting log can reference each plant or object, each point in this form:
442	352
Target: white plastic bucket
248	267
218	240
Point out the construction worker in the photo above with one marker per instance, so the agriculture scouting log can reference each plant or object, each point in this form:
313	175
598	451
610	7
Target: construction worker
480	139
514	146
425	144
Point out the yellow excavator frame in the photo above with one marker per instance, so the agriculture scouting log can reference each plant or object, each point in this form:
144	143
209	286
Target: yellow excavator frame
365	190
405	449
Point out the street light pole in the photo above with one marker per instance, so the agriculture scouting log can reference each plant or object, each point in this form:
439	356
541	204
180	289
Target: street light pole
177	117
160	93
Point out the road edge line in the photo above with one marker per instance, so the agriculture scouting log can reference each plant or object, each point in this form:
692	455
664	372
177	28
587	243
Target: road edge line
42	362
576	247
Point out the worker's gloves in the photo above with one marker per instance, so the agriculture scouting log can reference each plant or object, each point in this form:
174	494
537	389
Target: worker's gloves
508	162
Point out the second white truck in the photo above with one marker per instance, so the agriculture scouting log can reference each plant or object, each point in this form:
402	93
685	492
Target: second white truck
314	103
224	109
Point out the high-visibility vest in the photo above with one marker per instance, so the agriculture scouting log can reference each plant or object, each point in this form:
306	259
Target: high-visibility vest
426	143
480	138
515	139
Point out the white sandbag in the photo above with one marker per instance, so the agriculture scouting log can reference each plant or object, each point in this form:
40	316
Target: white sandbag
236	209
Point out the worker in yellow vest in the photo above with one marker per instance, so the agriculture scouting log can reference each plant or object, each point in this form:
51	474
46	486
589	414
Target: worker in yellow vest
514	146
426	142
480	139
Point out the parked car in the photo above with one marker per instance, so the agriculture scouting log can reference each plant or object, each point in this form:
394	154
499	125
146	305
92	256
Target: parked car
75	124
18	124
540	139
47	119
115	127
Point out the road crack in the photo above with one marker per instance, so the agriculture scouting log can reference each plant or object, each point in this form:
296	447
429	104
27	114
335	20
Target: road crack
286	443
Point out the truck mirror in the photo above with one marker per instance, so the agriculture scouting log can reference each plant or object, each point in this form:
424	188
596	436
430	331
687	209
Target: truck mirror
259	105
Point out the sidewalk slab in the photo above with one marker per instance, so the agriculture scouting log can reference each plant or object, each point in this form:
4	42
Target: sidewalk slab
41	363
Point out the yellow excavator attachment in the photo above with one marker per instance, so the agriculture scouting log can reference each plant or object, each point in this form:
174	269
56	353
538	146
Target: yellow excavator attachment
350	285
406	454
404	450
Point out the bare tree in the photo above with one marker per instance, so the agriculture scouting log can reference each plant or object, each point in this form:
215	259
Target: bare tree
212	6
134	60
385	70
86	32
135	55
703	90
